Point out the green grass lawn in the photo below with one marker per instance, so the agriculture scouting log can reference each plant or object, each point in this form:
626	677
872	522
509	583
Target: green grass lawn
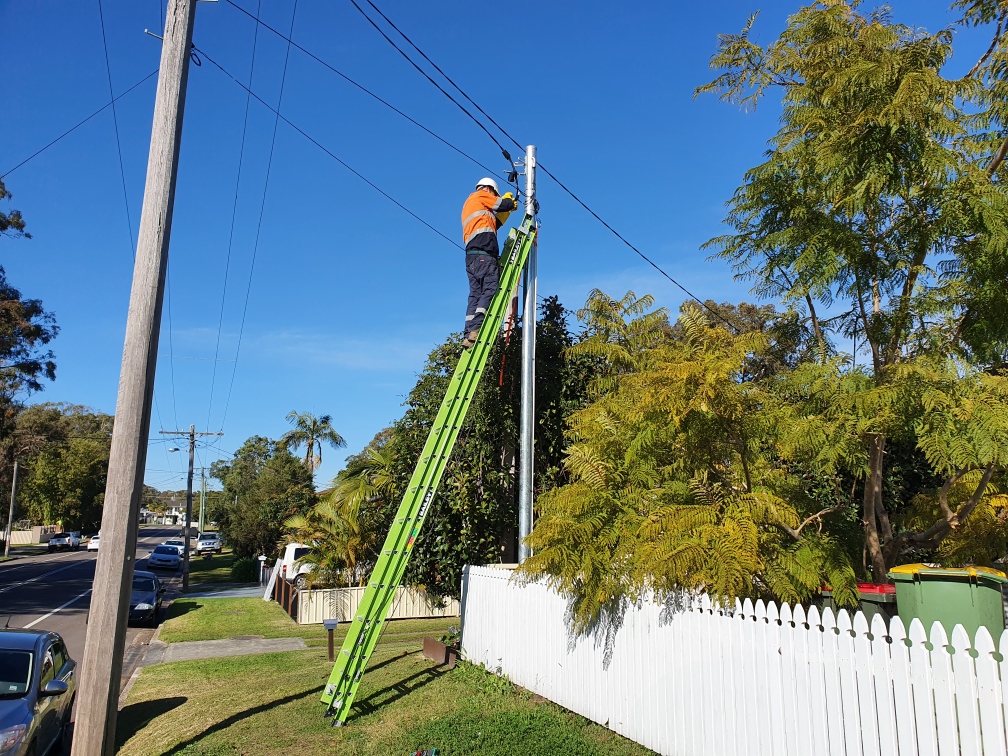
217	569
218	618
269	704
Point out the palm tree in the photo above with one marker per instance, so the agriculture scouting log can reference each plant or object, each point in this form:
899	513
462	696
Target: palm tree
345	528
310	431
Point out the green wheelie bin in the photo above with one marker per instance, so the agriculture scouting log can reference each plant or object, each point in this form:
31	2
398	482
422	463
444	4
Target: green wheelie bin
967	596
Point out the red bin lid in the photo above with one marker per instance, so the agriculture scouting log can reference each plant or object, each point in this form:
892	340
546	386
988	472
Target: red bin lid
876	589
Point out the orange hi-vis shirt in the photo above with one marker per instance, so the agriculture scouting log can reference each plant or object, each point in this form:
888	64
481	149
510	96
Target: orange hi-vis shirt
480	224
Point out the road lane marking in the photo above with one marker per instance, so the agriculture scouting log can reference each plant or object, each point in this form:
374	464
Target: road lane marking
39	577
4	568
58	608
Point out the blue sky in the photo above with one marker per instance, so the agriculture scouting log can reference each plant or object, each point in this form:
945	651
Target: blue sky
348	292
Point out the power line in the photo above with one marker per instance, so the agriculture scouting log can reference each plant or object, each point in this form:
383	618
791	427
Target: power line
577	199
115	123
234	209
460	106
438	69
262	209
311	139
303	133
363	89
81	123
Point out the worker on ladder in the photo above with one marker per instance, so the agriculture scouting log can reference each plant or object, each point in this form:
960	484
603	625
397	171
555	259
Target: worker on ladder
483	213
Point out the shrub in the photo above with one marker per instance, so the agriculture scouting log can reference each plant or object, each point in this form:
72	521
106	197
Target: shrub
244	570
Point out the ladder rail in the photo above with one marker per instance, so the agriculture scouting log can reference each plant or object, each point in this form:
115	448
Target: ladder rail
365	630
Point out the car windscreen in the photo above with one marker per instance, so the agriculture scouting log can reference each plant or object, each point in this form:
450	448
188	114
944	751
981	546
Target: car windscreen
15	673
165	550
59	535
144	584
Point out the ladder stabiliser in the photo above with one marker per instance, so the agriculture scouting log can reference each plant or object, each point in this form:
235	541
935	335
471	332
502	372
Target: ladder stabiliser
362	637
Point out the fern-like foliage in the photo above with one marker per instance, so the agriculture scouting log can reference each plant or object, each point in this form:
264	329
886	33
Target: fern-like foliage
677	478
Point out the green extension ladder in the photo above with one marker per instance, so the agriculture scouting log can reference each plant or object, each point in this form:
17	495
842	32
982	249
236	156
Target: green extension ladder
388	573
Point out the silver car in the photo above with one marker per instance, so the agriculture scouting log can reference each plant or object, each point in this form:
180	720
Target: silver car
163	556
37	689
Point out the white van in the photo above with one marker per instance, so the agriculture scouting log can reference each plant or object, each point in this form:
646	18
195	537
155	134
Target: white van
291	569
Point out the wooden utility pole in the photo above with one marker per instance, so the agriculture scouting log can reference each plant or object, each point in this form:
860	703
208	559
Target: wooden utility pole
10	516
188	502
101	668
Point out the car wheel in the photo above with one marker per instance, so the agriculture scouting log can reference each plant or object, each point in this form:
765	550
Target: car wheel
299	581
51	549
32	749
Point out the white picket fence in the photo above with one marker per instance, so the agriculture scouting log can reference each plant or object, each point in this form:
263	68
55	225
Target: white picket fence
755	680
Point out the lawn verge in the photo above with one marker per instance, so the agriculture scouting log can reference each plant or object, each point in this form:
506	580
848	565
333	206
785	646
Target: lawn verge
197	619
269	704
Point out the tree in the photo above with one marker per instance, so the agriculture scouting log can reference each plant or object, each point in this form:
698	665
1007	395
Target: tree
677	480
64	452
881	194
473	517
309	432
11	224
264	486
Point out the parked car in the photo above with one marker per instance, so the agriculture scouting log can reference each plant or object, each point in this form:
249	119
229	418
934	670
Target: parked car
37	689
178	544
145	598
93	543
209	543
59	541
164	556
293	570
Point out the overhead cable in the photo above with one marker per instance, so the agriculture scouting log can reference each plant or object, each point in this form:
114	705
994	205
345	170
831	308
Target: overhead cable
115	123
234	208
362	88
504	152
518	144
356	173
326	150
438	69
262	210
74	128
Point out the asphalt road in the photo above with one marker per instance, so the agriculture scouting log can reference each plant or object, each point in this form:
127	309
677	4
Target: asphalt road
53	592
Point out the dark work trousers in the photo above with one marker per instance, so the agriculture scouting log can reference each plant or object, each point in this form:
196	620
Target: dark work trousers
484	276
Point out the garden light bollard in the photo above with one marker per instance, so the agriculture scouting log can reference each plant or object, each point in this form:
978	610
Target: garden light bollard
331	625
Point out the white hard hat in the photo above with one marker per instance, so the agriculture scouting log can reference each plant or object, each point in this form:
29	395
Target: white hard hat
487	181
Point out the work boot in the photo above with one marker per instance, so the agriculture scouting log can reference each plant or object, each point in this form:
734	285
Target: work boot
470	340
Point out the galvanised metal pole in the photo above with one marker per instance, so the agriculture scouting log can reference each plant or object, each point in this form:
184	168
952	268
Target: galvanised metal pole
528	370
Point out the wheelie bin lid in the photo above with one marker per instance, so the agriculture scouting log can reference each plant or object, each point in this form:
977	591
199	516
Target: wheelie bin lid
907	572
